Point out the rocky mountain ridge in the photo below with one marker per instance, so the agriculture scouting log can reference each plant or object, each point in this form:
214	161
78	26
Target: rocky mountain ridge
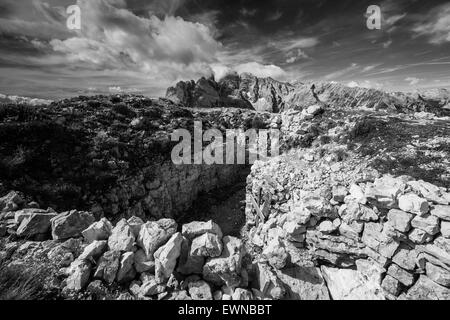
269	95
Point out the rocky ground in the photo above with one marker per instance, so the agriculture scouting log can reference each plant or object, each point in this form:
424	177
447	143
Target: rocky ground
357	206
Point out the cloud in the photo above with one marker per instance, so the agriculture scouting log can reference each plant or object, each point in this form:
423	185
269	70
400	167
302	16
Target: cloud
365	84
296	55
436	25
248	12
339	73
275	16
260	70
298	43
353	84
413	80
114	38
369	68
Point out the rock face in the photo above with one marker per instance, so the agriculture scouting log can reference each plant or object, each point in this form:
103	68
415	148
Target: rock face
108	266
346	284
122	237
200	290
194	229
100	230
36	223
79	273
206	245
155	234
166	257
227	267
266	94
206	93
70	224
304	283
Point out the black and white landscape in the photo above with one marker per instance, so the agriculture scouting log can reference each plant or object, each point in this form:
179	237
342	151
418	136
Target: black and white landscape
123	175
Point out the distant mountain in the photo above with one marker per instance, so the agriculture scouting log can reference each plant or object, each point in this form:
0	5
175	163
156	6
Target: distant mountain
267	94
23	100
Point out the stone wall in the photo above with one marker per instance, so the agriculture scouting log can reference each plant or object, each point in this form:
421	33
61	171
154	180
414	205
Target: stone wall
380	237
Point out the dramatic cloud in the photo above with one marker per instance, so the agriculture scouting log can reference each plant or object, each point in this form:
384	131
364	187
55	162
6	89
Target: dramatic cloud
144	46
436	26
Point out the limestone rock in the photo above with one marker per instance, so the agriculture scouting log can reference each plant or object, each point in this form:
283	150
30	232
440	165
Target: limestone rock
227	267
317	205
426	289
338	250
187	263
206	245
166	258
178	295
151	287
121	238
411	202
143	263
100	230
354	211
126	271
445	229
385	190
200	290
275	253
391	285
351	231
439	275
303	283
135	224
35	224
406	258
108	266
70	224
347	284
327	227
401	275
419	236
400	220
97	289
375	237
155	234
442	212
428	191
93	250
195	229
242	294
339	193
427	223
268	282
294	231
79	273
21	215
60	256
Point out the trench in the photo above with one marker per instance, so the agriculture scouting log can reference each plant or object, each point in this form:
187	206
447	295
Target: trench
225	206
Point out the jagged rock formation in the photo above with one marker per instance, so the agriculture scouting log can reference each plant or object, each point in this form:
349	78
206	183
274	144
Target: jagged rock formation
266	94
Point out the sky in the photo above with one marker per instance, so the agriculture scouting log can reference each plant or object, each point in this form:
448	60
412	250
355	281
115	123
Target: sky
145	46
